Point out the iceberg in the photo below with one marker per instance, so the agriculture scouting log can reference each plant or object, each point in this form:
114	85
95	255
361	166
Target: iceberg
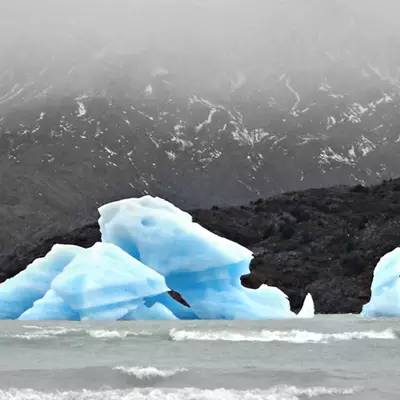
165	238
100	283
20	292
150	253
308	310
385	288
203	267
105	283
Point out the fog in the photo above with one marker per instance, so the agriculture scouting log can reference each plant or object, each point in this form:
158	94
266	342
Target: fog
202	35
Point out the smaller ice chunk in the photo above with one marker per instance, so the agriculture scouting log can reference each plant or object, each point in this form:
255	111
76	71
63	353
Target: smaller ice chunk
18	294
106	283
385	288
308	310
232	303
51	307
268	302
155	312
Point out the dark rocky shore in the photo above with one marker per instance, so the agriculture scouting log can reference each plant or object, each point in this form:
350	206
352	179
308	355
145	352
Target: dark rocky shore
323	241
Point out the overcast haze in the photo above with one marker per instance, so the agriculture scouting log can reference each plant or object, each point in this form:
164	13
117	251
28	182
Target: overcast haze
195	37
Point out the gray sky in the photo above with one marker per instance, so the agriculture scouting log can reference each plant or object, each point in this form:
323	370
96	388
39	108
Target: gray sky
245	35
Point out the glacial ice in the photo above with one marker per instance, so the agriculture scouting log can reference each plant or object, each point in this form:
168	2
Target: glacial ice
155	312
99	283
148	248
203	267
179	310
50	307
19	293
308	310
105	283
164	237
385	288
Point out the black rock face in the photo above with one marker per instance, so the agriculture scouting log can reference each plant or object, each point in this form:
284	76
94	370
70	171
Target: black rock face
323	241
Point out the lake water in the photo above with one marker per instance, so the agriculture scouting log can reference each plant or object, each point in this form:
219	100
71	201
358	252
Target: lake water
329	357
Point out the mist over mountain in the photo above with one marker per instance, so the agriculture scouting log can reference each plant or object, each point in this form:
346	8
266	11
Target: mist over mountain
200	102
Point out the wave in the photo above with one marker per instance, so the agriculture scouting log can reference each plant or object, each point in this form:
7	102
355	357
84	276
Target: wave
292	336
32	327
113	334
275	393
43	333
149	372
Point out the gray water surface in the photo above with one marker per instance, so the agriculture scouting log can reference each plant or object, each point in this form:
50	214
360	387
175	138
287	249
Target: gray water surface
328	357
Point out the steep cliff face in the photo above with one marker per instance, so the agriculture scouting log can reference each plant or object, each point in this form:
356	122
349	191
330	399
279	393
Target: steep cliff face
323	241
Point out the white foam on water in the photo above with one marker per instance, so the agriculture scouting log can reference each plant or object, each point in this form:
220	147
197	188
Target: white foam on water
32	327
275	393
106	334
292	336
149	372
42	333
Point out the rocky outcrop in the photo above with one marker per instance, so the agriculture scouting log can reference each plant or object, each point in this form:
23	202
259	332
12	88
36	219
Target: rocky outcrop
323	241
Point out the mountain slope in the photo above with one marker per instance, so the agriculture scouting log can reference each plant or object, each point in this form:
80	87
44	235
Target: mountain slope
201	103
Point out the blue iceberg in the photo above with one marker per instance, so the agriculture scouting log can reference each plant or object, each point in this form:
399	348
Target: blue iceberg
50	307
203	267
105	283
19	293
100	283
385	288
149	247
